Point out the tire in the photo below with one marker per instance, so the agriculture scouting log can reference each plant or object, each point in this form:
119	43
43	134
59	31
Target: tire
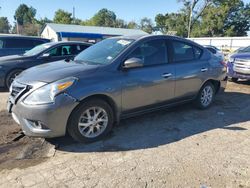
82	121
11	76
234	79
204	102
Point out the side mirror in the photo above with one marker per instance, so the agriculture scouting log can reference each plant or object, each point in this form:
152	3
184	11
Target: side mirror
133	63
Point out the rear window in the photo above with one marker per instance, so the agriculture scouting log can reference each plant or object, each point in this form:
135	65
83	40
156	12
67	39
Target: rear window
212	50
22	43
185	52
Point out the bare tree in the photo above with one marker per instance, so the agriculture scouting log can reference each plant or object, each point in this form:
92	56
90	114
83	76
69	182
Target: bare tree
194	8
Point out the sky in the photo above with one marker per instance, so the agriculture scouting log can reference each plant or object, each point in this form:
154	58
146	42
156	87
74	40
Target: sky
124	9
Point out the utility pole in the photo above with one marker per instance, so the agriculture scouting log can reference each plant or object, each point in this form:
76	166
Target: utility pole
73	14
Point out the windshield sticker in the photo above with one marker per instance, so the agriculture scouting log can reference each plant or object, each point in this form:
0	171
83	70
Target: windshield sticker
123	42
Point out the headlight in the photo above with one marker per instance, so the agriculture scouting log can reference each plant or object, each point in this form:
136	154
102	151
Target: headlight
231	60
1	67
47	93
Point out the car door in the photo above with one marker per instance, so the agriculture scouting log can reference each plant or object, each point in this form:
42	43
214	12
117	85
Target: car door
152	84
191	70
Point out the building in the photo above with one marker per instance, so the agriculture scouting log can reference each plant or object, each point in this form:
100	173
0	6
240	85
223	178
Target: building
64	32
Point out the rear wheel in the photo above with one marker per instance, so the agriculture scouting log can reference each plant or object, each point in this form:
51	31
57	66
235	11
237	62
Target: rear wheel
11	77
91	121
206	96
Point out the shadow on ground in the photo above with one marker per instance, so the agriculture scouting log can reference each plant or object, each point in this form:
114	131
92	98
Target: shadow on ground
167	126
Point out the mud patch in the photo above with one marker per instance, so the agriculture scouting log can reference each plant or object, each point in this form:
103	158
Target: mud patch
17	150
9	129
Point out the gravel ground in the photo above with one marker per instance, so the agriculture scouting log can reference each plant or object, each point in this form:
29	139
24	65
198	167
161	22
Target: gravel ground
181	147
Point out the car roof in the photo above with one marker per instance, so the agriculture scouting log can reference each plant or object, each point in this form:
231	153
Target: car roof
22	37
171	37
67	43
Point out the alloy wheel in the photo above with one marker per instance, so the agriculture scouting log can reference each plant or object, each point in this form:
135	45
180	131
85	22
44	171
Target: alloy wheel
93	122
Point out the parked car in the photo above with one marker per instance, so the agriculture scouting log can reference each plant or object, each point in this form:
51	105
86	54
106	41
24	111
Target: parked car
17	44
11	66
114	79
243	50
238	66
217	52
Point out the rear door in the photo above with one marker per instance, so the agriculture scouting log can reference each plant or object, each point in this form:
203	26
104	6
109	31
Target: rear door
151	84
191	70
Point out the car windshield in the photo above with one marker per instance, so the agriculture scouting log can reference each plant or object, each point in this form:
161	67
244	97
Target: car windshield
36	50
103	52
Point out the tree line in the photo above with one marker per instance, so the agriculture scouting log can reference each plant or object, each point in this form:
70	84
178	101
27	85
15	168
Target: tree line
196	18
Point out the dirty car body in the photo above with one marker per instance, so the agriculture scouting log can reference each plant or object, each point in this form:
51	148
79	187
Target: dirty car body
145	84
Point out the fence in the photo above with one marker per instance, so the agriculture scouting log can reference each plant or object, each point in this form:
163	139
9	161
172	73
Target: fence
230	43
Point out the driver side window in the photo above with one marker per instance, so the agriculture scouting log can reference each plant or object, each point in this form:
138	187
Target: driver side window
55	52
151	53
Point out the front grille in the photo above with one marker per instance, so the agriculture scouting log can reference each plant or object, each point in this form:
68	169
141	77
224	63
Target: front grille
17	90
242	66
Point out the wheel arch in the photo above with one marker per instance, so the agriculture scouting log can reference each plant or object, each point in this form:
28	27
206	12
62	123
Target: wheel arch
216	84
103	97
10	71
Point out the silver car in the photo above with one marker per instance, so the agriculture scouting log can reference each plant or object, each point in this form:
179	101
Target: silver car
114	79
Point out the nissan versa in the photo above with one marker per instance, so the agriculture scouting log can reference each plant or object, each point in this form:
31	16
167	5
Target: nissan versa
116	78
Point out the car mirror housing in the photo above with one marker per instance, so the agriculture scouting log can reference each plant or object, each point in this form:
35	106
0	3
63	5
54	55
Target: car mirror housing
133	63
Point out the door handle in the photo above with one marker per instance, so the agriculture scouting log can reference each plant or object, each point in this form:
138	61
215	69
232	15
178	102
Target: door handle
204	69
166	75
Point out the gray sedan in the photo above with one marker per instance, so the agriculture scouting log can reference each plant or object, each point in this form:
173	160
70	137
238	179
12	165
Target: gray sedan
116	78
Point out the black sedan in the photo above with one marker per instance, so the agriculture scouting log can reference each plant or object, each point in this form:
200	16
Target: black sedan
11	66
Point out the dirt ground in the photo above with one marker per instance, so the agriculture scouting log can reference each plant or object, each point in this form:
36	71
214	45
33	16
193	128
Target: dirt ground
180	147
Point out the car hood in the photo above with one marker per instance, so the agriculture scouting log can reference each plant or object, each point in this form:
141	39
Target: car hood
51	72
11	58
241	55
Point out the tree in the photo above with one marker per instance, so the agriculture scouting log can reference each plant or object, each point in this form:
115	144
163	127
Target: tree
4	25
238	20
226	18
174	23
63	17
103	17
194	9
43	21
24	15
119	23
132	25
146	25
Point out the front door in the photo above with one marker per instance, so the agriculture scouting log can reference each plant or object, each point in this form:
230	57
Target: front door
152	84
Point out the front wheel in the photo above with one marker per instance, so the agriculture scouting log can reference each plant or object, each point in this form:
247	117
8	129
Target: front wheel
11	77
206	96
91	121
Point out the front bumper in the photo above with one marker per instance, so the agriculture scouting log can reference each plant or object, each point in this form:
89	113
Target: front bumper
44	120
237	73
